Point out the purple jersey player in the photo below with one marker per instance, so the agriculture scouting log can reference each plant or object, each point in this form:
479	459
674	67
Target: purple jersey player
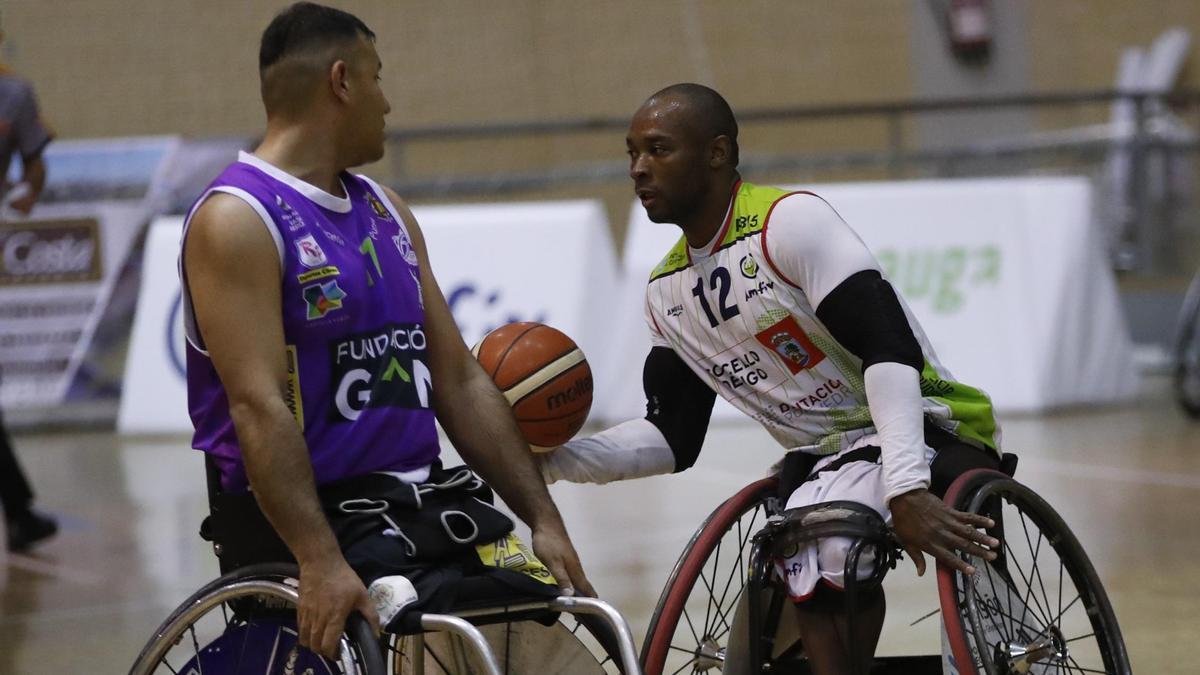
320	346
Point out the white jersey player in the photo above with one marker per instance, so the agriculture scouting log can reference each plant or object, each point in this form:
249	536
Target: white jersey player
771	301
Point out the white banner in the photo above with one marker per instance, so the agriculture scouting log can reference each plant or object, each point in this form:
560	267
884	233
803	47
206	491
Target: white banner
549	262
57	270
154	394
1007	277
60	266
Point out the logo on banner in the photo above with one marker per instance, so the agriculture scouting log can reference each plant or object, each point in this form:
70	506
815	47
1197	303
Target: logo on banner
789	341
478	311
310	251
49	251
323	299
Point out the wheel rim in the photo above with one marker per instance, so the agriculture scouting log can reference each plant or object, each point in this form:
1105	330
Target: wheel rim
1039	608
691	627
241	628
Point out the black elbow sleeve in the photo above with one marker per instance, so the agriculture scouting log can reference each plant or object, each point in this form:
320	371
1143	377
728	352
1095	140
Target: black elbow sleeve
678	402
865	316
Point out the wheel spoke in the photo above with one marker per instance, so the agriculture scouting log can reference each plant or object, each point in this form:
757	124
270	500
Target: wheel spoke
688	617
716	560
708	627
1044	611
1008	635
691	663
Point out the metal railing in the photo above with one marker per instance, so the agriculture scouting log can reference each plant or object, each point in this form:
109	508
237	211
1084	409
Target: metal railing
1140	215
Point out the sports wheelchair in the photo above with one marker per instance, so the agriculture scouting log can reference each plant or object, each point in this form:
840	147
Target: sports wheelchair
245	622
1038	608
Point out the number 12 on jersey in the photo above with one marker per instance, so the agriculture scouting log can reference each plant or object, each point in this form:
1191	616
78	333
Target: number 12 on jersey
721	282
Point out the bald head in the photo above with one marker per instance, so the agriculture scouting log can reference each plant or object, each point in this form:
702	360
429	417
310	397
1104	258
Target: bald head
706	112
299	46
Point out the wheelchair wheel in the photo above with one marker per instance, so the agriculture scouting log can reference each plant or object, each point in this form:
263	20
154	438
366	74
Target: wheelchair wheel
1039	607
1187	352
690	627
244	622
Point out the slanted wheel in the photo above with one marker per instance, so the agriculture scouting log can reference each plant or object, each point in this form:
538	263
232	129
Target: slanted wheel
690	628
1039	607
1187	352
245	622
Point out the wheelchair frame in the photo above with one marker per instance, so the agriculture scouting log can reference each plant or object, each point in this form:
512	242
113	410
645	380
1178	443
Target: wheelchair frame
969	491
284	587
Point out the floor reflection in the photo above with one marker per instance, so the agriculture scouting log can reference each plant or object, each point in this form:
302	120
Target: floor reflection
1126	479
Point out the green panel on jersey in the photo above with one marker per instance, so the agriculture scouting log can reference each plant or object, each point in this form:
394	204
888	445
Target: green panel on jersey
750	210
751	207
970	407
677	259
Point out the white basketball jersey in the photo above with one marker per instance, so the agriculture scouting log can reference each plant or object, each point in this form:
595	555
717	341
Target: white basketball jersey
742	325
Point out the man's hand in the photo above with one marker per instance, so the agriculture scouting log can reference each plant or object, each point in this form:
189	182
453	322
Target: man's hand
552	546
924	523
329	591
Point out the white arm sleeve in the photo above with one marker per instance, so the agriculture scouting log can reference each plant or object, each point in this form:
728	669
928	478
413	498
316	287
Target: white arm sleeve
894	398
812	247
632	449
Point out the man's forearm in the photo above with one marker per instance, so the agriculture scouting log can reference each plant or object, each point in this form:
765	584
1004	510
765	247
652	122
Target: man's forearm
34	173
480	424
280	473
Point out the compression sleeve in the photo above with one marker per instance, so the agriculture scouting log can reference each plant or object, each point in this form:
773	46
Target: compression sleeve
632	449
678	407
894	399
810	245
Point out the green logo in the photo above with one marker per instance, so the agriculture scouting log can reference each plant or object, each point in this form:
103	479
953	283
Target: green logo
749	267
395	369
944	277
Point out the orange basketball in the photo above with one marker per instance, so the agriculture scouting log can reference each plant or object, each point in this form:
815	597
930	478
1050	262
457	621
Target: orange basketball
544	376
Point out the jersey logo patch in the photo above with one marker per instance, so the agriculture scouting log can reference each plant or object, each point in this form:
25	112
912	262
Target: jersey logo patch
378	207
323	298
749	266
310	252
789	341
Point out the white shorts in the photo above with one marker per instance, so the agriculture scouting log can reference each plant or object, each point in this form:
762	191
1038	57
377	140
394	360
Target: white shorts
825	560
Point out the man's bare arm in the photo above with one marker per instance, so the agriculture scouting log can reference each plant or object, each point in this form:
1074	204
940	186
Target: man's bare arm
480	423
233	277
33	174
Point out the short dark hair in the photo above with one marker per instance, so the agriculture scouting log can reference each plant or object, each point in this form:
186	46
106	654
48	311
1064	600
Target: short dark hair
711	111
300	43
305	26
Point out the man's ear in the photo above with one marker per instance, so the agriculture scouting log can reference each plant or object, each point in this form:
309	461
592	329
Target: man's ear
339	80
720	152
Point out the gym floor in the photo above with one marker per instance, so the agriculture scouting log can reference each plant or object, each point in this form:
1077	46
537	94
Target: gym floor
1127	480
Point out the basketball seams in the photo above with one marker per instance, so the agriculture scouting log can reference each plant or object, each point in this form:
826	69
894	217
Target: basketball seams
553	379
512	343
543	376
547	381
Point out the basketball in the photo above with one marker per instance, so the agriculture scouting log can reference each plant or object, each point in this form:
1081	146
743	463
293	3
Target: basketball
545	377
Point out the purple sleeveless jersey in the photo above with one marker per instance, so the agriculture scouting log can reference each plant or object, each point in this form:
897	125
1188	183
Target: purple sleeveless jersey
358	383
